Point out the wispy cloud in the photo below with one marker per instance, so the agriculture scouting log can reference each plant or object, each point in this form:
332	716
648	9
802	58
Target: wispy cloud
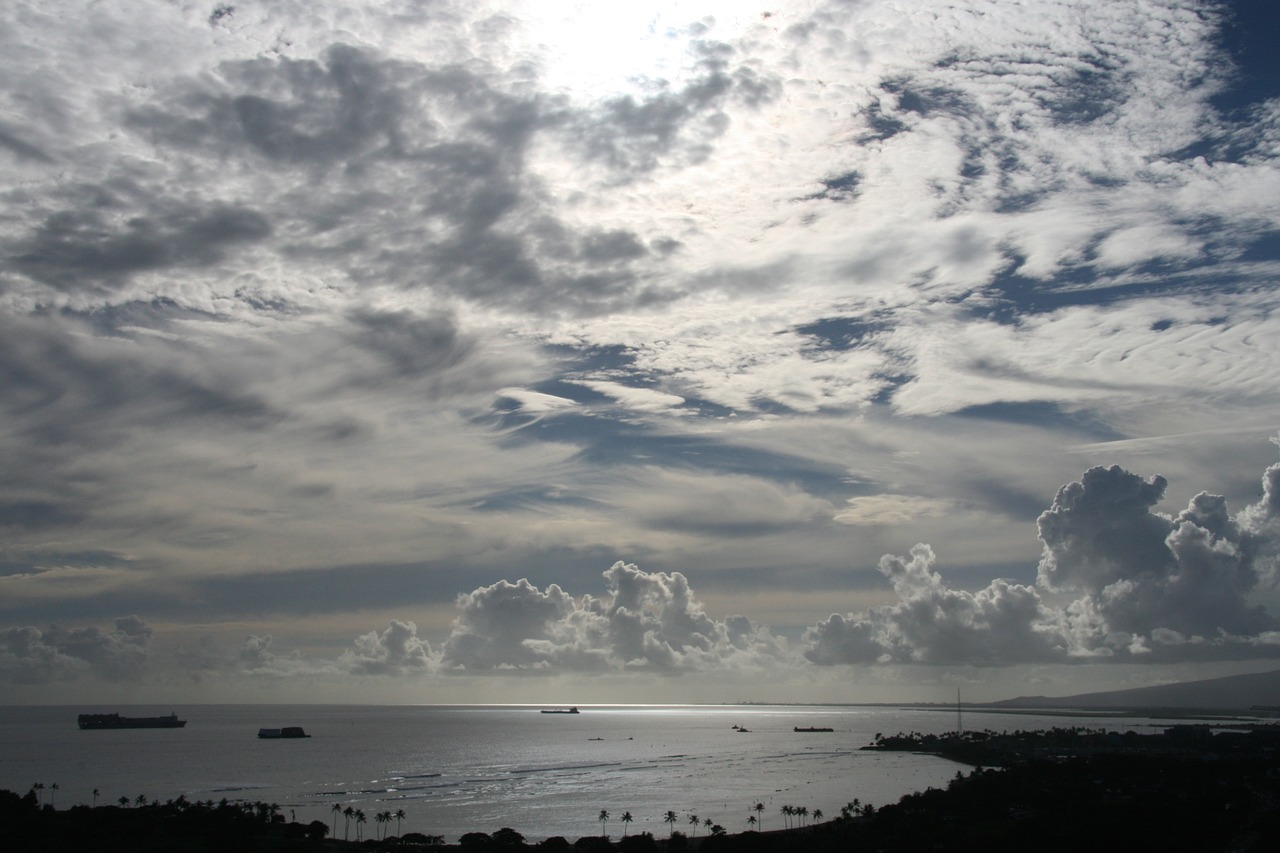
432	296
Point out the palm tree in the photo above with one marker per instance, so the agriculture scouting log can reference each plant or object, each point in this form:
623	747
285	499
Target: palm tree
670	818
787	812
381	819
626	819
360	821
803	811
693	820
760	814
347	813
604	822
399	817
123	801
53	793
95	797
817	815
751	821
336	808
141	799
708	823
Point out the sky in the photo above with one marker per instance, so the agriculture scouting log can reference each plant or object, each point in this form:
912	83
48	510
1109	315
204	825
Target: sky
489	351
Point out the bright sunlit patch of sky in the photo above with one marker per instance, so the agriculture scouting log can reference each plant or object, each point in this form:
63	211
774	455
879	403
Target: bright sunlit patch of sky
590	50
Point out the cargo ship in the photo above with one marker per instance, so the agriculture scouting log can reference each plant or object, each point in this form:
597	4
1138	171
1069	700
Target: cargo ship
115	721
286	732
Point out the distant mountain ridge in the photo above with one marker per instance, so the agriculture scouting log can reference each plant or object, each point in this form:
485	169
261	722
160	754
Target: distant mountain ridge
1232	692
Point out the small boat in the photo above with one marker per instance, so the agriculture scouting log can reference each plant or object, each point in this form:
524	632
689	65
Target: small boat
573	710
814	729
115	721
286	732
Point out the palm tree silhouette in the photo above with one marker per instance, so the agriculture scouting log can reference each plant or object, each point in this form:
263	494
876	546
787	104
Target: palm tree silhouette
141	799
360	822
123	801
53	793
626	820
787	811
693	820
336	808
751	821
817	815
759	810
347	813
96	792
399	817
803	811
381	819
604	822
670	818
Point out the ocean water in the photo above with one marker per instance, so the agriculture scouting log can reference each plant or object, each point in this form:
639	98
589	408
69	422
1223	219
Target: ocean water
457	769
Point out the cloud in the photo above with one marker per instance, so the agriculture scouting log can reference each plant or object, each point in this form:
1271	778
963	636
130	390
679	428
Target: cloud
395	651
31	656
1141	570
1003	624
650	622
1150	587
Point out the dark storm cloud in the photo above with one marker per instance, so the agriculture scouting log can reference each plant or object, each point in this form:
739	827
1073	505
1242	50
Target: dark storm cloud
1153	587
411	345
81	248
31	656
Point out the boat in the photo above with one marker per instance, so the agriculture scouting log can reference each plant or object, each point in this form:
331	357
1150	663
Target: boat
286	732
115	721
814	729
573	710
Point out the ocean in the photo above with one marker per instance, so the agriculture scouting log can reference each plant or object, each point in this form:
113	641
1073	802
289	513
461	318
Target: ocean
458	769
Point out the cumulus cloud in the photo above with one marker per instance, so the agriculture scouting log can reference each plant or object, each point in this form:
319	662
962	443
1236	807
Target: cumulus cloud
31	656
1002	624
395	651
650	621
1149	586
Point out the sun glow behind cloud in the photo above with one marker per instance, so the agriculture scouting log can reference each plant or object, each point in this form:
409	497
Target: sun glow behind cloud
592	50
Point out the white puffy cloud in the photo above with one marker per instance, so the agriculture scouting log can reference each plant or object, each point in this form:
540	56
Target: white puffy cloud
31	656
397	650
1149	586
1001	624
650	621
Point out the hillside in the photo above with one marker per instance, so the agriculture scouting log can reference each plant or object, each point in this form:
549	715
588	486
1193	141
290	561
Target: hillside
1231	693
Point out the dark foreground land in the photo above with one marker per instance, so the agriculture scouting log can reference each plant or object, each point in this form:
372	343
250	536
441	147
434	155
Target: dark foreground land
1063	790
